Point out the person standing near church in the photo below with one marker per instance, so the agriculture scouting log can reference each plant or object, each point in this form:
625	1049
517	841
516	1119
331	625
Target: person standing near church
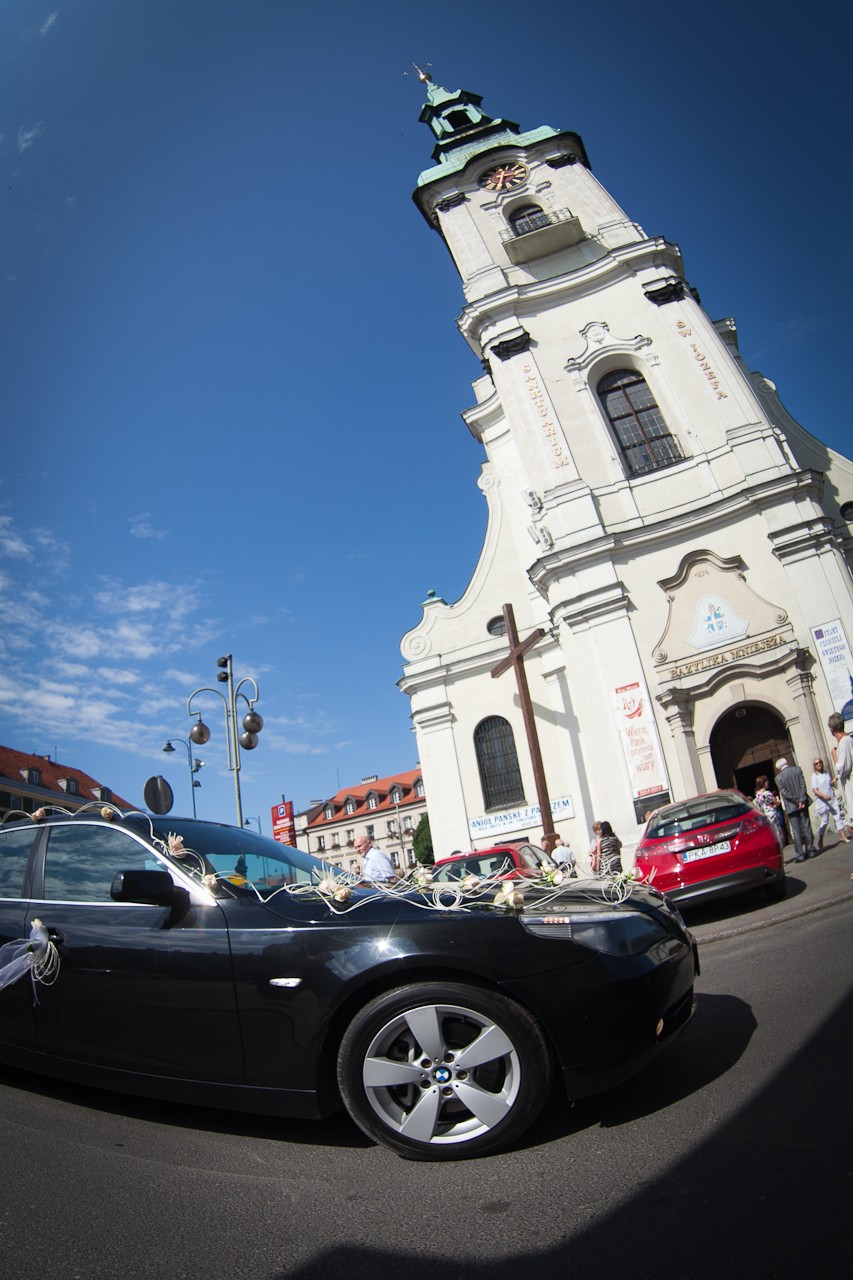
843	752
377	867
608	851
792	788
825	804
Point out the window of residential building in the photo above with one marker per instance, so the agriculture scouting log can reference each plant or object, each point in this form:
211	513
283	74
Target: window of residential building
497	762
419	789
321	842
392	827
328	812
372	802
350	806
350	834
369	832
644	439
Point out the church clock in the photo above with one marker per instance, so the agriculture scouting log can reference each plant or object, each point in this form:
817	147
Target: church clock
504	177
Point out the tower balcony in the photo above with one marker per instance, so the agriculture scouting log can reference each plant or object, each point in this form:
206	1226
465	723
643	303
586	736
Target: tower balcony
537	233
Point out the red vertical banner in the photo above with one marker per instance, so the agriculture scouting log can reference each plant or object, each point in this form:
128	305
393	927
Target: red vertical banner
283	826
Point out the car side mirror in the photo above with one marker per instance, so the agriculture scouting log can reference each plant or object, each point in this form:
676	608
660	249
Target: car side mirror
154	887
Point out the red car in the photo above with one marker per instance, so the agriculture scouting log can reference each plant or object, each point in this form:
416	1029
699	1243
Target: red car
711	846
513	861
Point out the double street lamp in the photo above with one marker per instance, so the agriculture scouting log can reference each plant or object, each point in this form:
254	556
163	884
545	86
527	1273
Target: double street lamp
193	765
252	722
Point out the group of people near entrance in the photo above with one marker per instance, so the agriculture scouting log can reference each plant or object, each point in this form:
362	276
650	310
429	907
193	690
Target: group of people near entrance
788	806
832	797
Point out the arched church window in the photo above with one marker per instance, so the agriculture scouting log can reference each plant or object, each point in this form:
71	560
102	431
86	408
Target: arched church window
638	425
500	776
528	218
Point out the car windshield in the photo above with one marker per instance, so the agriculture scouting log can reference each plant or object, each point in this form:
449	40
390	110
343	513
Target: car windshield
535	857
243	859
702	811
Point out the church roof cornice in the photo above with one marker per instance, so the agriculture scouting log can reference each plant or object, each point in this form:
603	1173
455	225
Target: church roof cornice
622	262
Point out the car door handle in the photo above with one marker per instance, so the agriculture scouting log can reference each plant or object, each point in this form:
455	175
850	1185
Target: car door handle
54	936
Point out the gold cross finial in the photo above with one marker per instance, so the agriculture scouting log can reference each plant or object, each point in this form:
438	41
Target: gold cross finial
423	75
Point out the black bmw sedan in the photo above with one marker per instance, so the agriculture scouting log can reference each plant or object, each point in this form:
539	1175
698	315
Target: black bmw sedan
196	962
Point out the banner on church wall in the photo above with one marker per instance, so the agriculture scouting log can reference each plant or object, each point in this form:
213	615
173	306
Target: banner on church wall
509	820
283	826
641	747
836	661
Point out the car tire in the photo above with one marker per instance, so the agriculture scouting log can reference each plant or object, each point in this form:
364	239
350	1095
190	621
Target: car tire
443	1071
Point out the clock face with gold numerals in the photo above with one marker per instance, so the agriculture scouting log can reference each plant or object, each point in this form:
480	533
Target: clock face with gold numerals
504	177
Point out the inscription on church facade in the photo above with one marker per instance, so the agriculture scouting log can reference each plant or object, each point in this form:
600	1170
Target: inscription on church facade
559	457
685	331
720	659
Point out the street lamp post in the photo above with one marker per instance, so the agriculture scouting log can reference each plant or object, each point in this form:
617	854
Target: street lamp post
193	765
402	839
251	819
252	722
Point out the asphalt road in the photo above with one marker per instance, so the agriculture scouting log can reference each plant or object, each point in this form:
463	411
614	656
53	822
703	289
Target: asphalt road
732	1156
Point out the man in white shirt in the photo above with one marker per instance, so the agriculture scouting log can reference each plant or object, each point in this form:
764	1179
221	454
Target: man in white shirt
377	866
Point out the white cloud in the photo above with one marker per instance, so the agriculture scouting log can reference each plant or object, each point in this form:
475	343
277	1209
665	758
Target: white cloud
60	552
11	542
118	675
26	137
182	677
140	527
74	641
147	598
48	23
71	669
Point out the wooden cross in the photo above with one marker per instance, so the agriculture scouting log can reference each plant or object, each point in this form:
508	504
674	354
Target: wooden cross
515	658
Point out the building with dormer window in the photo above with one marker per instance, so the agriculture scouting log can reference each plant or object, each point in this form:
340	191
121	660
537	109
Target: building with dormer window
387	810
29	782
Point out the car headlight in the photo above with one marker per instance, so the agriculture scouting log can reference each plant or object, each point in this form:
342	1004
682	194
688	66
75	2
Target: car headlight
615	933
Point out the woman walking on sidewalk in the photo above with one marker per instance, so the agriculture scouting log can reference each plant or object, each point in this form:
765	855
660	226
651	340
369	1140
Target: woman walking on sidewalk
825	803
843	751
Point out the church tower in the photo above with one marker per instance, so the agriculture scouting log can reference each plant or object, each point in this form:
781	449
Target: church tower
682	541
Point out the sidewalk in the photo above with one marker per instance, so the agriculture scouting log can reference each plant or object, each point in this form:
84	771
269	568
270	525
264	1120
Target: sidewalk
812	885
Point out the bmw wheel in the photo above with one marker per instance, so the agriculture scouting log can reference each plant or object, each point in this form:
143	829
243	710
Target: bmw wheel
441	1071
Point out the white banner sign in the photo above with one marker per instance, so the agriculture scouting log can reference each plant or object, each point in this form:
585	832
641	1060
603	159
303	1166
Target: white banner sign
501	824
836	661
640	743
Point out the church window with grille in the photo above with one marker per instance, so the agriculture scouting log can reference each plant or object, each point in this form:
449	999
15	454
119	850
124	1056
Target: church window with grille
529	218
497	761
643	437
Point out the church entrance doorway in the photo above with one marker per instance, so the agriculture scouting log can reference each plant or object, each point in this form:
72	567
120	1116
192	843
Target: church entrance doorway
746	743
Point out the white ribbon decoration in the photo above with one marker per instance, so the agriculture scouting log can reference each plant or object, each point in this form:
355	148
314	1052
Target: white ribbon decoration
35	955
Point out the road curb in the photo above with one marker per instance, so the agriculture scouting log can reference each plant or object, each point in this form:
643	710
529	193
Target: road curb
754	925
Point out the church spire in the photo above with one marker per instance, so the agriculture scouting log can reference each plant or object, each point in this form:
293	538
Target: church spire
456	119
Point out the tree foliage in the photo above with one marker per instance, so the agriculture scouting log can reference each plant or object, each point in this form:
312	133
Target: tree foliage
422	842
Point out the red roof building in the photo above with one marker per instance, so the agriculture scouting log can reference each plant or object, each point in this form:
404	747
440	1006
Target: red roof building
386	809
29	782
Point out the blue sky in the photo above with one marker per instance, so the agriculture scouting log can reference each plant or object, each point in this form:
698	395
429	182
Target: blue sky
230	379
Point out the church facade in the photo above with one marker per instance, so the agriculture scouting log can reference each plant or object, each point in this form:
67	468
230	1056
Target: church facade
683	544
